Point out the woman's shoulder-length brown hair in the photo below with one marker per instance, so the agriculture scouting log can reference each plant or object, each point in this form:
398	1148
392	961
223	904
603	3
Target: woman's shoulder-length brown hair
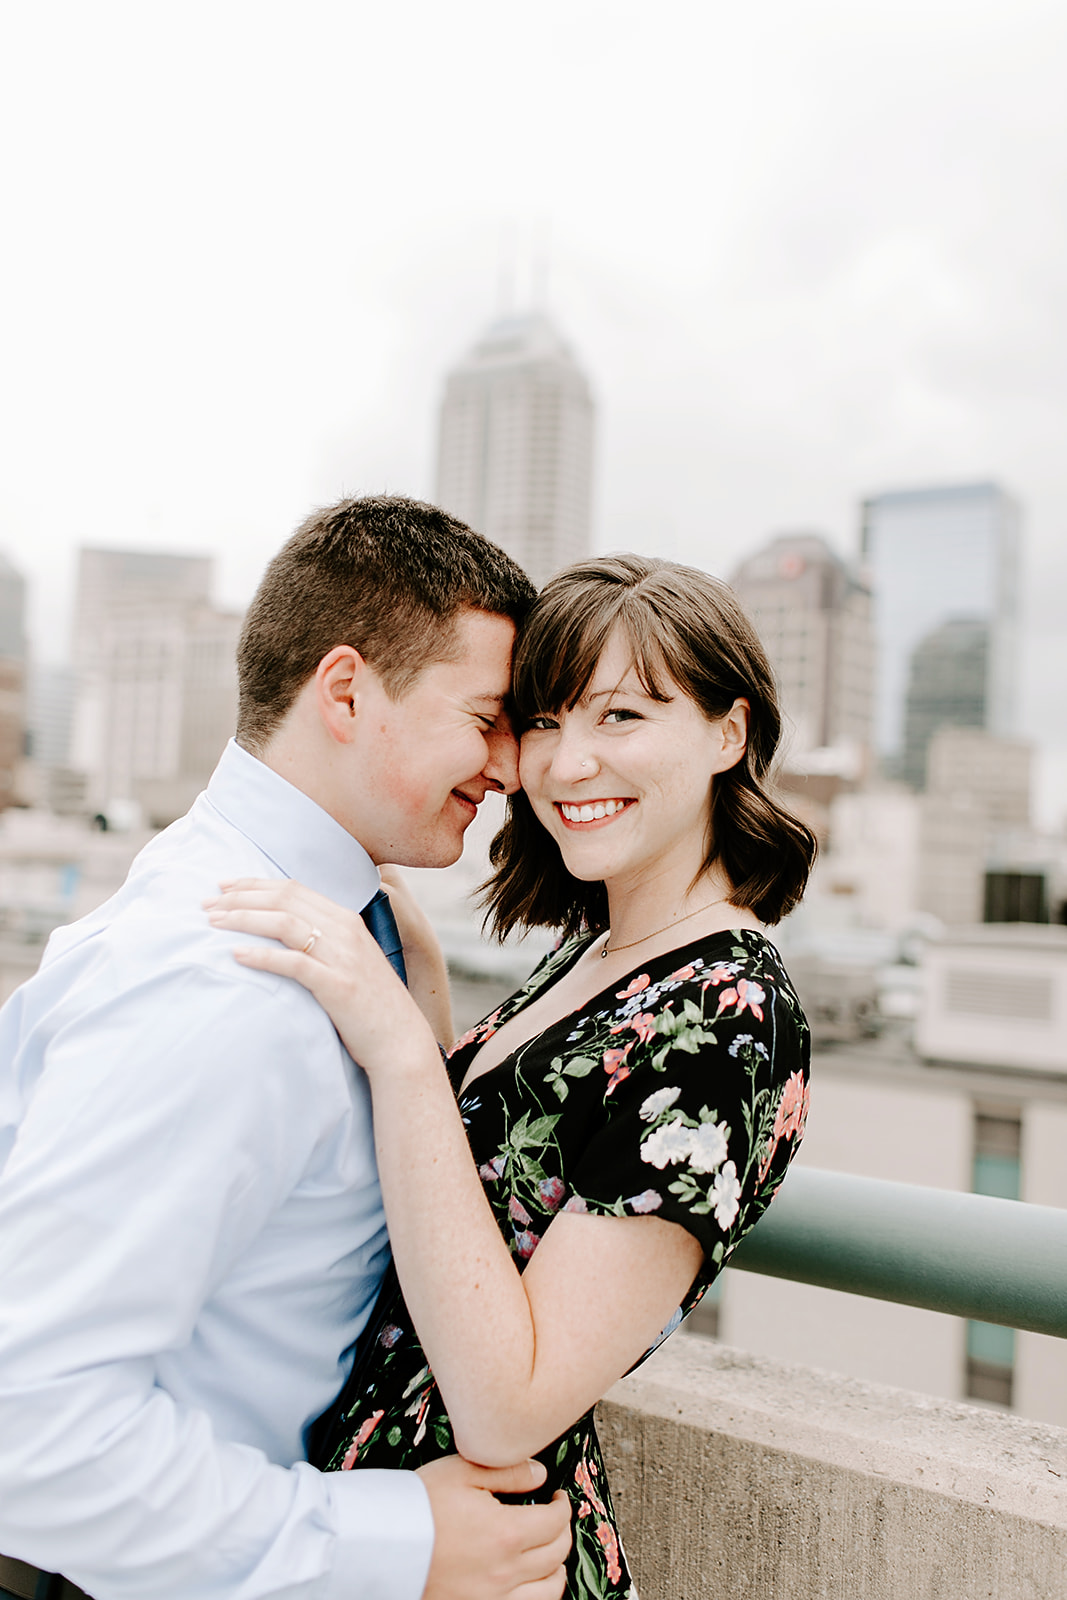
687	629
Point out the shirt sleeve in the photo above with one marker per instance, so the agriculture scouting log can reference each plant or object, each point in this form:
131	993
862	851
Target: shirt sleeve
133	1128
704	1106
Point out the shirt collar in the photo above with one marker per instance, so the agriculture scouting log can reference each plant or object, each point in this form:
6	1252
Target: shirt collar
301	839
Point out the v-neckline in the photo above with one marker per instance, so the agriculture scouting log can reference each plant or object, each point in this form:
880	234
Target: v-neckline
526	999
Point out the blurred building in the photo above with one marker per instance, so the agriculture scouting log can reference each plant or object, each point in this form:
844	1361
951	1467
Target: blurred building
12	679
515	444
813	613
49	780
893	854
52	870
934	555
12	611
948	686
50	714
12	727
996	774
156	679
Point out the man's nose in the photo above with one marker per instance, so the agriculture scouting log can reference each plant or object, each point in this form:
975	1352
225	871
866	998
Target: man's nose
501	770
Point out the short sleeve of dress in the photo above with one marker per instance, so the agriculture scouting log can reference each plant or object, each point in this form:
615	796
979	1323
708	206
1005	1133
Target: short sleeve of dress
705	1097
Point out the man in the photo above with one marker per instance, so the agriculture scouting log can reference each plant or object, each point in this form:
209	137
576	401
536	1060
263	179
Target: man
191	1232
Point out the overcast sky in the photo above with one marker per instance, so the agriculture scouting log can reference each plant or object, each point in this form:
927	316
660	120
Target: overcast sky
804	253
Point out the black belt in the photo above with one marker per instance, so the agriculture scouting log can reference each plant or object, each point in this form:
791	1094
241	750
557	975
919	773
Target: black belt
20	1581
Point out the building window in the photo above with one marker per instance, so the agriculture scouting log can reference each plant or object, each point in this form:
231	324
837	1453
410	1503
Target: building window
1015	897
996	1171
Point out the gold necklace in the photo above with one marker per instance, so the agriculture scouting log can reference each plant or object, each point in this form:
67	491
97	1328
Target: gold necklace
645	937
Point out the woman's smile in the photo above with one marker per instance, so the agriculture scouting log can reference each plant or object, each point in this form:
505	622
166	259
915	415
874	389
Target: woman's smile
587	813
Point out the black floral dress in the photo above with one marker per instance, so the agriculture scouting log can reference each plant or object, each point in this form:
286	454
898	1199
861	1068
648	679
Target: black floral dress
680	1093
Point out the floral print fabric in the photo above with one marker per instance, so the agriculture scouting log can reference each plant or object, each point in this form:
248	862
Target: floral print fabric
680	1093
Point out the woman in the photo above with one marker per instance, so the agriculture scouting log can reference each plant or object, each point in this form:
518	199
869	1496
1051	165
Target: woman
632	1109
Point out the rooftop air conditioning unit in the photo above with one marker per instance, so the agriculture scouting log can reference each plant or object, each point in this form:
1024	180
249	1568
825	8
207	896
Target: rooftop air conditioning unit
995	995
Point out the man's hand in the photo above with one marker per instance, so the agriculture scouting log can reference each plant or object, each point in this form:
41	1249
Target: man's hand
487	1551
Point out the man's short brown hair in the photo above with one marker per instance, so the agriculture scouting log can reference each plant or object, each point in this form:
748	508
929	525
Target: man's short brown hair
387	576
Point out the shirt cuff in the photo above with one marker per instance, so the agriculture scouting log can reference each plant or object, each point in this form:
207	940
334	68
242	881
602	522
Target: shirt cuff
384	1535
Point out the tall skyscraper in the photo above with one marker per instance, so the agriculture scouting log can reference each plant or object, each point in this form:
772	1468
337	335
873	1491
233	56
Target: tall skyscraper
812	611
932	556
515	444
156	678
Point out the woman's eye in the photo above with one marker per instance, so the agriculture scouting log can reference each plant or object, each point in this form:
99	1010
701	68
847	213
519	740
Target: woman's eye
621	714
539	724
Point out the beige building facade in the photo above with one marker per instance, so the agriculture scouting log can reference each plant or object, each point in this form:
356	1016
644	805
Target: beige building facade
156	695
813	613
515	444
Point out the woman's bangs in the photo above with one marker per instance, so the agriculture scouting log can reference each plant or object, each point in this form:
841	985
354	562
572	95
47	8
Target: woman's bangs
558	655
556	662
649	656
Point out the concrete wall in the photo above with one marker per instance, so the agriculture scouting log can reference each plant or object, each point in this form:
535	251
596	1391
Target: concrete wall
742	1478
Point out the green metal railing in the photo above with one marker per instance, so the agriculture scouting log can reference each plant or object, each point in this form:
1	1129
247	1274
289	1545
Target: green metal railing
967	1254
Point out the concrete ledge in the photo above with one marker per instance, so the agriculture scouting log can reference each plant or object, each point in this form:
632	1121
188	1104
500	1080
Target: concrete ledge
746	1479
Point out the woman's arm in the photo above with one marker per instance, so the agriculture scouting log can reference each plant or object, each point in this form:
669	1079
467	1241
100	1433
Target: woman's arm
517	1358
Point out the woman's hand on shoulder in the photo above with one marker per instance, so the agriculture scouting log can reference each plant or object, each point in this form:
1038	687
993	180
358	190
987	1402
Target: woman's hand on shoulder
329	950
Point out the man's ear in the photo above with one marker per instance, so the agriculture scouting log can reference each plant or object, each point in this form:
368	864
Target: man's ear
734	733
339	680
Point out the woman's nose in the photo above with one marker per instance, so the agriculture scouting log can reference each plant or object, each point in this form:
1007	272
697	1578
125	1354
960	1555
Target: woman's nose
572	759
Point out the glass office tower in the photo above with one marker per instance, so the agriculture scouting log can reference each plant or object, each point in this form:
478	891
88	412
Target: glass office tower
935	556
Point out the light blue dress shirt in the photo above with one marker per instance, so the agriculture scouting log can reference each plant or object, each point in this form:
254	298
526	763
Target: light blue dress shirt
191	1237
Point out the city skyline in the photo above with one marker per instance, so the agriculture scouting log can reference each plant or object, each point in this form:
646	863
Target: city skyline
843	648
820	262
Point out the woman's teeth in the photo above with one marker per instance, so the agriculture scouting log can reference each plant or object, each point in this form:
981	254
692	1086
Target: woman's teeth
593	813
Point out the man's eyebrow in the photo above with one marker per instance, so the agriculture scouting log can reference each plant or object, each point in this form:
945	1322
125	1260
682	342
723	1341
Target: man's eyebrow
487	698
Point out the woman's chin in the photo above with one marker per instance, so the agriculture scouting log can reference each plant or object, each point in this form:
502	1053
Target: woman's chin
585	877
581	864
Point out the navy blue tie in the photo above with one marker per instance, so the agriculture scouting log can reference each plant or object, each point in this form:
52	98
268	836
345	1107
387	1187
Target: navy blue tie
378	915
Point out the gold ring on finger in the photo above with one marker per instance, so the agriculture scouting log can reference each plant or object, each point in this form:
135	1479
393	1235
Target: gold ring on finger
313	939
